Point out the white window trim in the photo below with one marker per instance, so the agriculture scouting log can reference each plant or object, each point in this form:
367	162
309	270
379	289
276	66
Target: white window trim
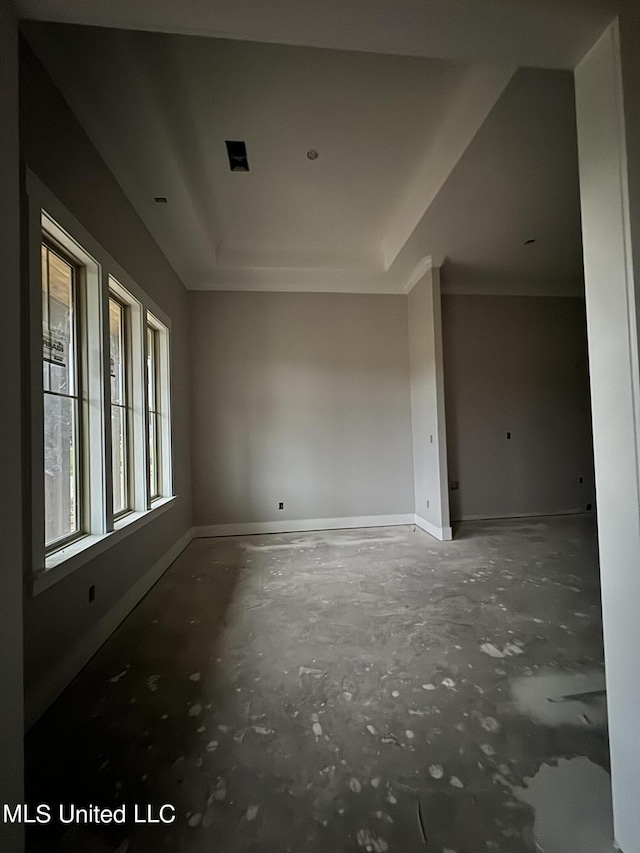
86	314
46	214
136	391
64	562
163	380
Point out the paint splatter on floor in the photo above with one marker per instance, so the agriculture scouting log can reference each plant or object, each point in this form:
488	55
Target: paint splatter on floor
363	689
572	807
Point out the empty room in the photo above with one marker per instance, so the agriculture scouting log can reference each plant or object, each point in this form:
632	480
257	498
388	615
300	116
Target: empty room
322	511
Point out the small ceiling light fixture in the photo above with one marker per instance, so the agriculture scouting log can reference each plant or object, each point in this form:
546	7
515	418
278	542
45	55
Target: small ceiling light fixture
312	154
530	241
160	199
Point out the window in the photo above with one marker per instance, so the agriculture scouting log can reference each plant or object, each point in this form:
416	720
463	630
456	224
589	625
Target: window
118	372
158	408
154	412
61	387
99	377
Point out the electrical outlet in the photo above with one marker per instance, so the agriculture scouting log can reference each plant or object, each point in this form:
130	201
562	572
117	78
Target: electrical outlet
281	505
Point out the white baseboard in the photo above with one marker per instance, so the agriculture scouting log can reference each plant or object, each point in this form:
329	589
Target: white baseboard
61	675
516	515
301	525
444	534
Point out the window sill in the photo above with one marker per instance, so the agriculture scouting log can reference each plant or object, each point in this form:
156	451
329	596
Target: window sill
65	561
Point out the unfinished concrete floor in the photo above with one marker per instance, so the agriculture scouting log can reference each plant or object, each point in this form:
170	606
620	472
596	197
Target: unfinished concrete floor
346	691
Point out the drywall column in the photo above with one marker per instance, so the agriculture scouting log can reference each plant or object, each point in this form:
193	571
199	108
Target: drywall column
609	154
11	582
427	403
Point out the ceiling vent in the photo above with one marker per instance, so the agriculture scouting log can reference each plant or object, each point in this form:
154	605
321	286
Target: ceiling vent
237	152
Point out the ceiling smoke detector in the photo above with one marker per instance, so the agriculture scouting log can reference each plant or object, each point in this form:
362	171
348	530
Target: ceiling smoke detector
312	154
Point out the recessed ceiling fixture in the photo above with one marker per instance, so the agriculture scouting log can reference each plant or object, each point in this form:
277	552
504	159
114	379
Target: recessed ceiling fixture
160	199
312	154
530	241
237	152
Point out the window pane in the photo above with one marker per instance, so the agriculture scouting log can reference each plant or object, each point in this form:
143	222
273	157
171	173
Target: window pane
154	489
60	467
45	315
58	325
119	435
116	338
151	369
152	404
61	412
119	459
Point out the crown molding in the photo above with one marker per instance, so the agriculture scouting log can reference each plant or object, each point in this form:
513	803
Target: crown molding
423	266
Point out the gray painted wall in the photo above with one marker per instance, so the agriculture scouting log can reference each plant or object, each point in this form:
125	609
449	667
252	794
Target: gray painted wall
302	398
517	364
427	403
56	148
10	437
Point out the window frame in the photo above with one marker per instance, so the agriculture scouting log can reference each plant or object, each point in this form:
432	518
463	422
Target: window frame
163	450
49	242
98	276
125	406
153	414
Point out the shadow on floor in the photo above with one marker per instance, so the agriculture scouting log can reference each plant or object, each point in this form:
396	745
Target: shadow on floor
154	678
341	691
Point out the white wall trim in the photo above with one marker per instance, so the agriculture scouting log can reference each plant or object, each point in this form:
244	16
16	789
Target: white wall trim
524	515
60	676
421	269
250	528
444	534
606	84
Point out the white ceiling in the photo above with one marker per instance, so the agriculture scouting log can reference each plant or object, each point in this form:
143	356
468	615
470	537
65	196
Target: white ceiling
385	189
516	181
